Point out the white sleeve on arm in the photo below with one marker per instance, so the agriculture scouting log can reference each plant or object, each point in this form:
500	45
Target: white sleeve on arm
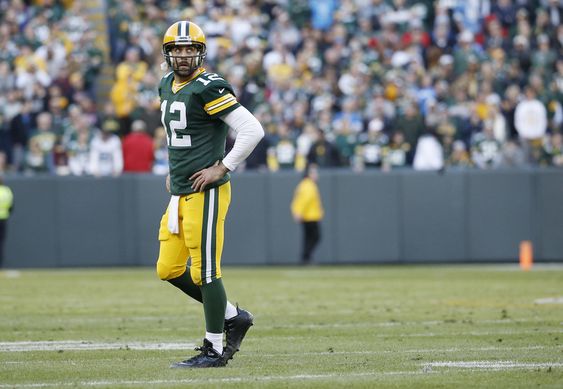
249	132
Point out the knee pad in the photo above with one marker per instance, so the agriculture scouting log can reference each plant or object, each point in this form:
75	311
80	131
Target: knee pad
166	272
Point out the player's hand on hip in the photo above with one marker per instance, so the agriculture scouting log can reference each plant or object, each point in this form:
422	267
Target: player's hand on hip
208	176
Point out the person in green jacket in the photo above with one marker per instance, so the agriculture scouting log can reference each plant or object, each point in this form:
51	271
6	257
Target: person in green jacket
307	209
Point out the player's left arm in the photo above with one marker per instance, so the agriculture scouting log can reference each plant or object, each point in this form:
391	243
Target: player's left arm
248	131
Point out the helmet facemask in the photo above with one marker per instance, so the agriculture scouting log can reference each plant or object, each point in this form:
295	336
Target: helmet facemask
184	65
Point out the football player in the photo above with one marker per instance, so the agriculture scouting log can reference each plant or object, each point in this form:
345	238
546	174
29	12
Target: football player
197	109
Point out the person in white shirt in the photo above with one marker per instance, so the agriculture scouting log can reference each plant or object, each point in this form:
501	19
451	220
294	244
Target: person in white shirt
530	117
530	120
429	154
106	155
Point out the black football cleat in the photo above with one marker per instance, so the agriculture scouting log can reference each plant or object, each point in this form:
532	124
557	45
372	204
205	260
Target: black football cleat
207	358
235	329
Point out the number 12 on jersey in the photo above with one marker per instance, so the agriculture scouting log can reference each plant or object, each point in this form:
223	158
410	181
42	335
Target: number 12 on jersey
175	139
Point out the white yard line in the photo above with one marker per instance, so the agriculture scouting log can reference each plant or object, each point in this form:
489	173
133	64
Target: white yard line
549	300
411	351
369	324
77	345
250	379
431	334
10	273
491	365
426	369
401	323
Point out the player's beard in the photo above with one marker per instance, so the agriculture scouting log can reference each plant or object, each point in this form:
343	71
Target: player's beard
184	66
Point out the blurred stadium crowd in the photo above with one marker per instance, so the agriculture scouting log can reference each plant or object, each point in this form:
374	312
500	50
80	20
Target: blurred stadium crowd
361	84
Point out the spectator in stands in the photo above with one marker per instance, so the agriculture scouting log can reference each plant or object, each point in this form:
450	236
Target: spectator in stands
429	154
148	102
257	160
106	156
44	134
346	140
459	157
303	142
138	149
122	97
505	12
133	65
410	122
323	153
552	153
512	155
30	70
93	62
369	151
6	81
160	147
530	118
521	54
282	153
496	119
543	59
296	63
485	148
58	159
35	161
78	147
5	146
396	152
21	128
508	108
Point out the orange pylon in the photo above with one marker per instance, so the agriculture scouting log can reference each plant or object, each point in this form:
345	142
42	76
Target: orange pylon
526	255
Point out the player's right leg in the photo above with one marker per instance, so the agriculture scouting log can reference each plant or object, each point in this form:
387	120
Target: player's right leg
172	260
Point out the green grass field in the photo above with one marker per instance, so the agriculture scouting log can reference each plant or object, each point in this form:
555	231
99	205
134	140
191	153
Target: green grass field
360	327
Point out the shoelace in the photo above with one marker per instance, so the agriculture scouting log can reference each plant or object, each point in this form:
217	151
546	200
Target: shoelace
203	350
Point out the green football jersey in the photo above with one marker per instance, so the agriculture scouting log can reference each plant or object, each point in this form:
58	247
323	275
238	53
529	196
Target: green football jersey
196	134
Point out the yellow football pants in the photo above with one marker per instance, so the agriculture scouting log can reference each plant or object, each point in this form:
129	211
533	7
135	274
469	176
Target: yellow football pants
201	234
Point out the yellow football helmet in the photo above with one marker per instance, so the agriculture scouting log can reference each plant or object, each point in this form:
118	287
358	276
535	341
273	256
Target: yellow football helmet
184	33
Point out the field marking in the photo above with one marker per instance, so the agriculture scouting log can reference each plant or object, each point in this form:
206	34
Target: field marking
411	351
403	323
432	334
216	380
426	369
10	273
78	345
549	300
383	324
491	365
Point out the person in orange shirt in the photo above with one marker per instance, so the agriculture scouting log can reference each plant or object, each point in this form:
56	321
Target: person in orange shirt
307	209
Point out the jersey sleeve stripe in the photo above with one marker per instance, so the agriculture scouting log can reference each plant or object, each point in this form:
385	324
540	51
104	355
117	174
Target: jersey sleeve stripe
213	103
223	106
211	108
